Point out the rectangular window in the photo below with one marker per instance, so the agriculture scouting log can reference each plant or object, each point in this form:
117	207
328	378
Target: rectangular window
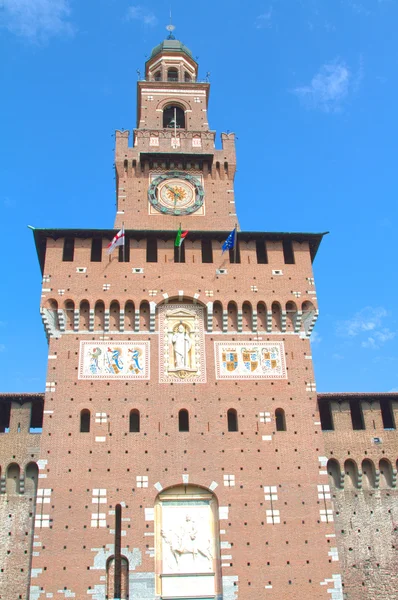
5	413
387	414
36	417
207	251
325	413
124	251
69	250
152	250
179	254
288	253
96	250
357	415
232	253
261	251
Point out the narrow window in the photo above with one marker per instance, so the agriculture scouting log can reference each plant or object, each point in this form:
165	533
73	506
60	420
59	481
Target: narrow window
69	250
280	419
288	254
234	253
158	76
207	251
357	415
96	250
152	250
85	421
124	251
5	413
134	421
387	414
36	417
172	74
187	77
232	419
261	251
118	552
183	420
179	253
326	416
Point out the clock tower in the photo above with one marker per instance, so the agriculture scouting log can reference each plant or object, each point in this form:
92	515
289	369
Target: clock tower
173	173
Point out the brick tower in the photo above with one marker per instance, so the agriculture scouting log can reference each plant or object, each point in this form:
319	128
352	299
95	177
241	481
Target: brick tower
181	454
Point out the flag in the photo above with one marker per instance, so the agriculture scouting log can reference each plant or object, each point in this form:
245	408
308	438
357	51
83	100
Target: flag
118	240
230	241
181	235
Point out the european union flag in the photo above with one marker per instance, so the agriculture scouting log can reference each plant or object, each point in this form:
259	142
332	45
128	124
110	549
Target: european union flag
230	241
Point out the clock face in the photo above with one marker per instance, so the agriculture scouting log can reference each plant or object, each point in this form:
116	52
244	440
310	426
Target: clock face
176	193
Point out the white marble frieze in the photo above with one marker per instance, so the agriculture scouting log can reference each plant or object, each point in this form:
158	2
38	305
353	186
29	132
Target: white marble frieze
114	360
250	360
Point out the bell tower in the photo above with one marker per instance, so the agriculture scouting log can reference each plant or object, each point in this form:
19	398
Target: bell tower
173	173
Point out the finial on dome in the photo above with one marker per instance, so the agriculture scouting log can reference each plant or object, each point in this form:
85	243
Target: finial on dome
170	28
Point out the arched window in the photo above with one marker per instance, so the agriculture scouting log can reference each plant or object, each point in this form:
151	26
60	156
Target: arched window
217	316
368	474
12	479
351	472
232	419
172	74
31	479
158	76
333	469
280	419
385	473
183	420
187	77
117	566
173	117
84	421
84	315
134	421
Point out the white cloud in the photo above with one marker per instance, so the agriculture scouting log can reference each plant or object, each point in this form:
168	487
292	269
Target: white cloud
139	13
328	88
367	323
315	338
263	21
36	18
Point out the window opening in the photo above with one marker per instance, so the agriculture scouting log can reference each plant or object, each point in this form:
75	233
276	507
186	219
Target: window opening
158	76
172	74
85	421
357	415
124	251
187	77
207	251
387	414
152	250
261	251
118	551
69	250
232	253
36	417
326	416
5	413
173	117
232	419
288	253
280	419
96	250
179	253
183	420
134	421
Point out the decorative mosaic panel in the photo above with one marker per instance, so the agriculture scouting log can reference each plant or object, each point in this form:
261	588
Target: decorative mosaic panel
181	344
250	360
114	360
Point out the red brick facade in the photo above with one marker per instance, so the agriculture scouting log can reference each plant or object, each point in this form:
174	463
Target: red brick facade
117	456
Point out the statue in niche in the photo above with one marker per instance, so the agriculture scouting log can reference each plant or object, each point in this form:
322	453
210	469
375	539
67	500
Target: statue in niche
182	345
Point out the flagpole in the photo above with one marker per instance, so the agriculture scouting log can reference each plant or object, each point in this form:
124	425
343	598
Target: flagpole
235	241
179	248
124	244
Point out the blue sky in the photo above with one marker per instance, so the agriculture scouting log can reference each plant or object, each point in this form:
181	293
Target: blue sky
310	88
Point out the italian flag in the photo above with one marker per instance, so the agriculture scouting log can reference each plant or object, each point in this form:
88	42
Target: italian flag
181	235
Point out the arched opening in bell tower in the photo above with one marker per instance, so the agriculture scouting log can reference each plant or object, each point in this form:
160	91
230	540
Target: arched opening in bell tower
173	117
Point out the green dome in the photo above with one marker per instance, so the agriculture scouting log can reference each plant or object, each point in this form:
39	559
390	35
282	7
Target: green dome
171	45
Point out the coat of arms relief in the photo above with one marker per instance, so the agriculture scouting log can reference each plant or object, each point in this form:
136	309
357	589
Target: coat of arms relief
181	343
